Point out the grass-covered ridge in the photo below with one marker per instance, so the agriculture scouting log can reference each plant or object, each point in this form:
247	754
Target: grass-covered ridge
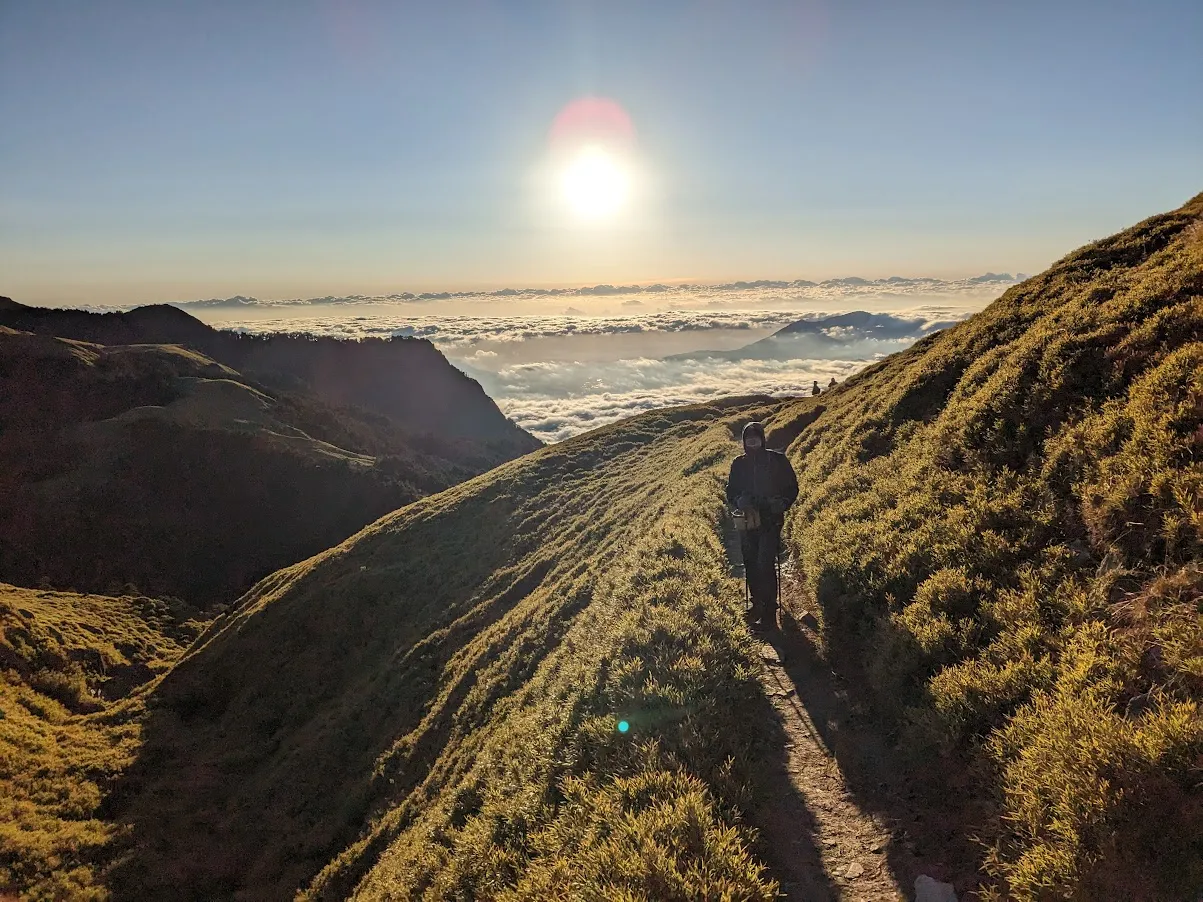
1003	526
154	469
430	710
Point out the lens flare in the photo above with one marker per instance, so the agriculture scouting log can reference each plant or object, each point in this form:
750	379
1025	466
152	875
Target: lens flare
596	121
623	726
594	184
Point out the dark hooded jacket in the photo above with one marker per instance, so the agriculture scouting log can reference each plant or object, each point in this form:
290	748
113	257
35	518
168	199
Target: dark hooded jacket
762	475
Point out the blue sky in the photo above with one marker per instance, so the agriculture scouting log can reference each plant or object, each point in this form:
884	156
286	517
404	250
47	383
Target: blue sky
165	151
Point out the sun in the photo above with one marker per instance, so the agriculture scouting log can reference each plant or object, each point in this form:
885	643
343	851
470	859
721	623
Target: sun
595	184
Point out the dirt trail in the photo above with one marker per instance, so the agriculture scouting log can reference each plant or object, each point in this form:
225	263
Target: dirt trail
841	821
848	844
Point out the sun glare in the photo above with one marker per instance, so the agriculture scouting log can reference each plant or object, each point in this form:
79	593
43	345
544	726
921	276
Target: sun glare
595	185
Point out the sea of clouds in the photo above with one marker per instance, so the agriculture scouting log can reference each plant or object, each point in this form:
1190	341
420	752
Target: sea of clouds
465	331
761	291
616	351
557	399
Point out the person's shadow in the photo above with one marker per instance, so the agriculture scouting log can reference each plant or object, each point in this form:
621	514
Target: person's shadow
932	813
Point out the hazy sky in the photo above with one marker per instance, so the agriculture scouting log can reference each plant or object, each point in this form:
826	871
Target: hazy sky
164	151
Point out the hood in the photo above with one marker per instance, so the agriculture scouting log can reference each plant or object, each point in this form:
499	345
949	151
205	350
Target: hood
753	429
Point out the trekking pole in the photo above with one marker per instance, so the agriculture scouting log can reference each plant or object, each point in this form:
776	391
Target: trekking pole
777	561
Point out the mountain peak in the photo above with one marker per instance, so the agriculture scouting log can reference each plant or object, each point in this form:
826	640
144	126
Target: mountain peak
408	380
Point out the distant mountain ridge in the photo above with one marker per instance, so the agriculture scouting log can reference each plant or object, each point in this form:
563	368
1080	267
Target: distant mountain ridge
157	467
149	449
605	289
844	334
405	378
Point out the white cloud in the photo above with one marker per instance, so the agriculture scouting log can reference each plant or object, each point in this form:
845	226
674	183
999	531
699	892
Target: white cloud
459	334
558	374
755	293
555	401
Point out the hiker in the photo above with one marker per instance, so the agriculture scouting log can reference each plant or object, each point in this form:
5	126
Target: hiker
831	384
814	389
761	488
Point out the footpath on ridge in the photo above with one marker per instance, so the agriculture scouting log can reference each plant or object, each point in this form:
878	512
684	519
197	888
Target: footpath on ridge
840	819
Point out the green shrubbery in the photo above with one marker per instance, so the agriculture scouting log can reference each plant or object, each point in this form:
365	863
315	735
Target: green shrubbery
1004	523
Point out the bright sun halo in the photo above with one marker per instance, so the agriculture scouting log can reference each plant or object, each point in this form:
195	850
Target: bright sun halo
594	184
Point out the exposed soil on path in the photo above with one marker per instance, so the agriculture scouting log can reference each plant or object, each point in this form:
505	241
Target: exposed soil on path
842	819
848	845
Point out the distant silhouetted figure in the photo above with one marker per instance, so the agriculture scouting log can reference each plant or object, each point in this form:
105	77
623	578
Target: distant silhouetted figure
761	488
814	389
831	384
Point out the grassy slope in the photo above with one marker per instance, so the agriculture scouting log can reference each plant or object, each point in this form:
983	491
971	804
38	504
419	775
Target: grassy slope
436	699
70	668
444	688
1003	526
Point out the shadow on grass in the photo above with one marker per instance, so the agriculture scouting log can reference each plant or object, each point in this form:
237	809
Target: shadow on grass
260	748
929	807
928	811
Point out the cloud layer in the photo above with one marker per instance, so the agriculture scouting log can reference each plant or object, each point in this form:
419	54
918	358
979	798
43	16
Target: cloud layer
744	293
459	334
453	333
558	375
559	368
555	401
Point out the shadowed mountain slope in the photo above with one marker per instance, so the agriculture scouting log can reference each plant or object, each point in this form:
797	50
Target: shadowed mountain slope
407	379
155	466
1002	528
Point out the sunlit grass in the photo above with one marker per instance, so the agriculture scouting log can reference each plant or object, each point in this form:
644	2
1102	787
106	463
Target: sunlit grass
455	731
992	523
69	727
1001	527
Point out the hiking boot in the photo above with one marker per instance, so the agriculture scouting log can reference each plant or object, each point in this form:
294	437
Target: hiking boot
764	624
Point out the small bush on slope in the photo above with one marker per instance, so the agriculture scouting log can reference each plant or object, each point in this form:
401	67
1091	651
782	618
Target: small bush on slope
430	709
1006	522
